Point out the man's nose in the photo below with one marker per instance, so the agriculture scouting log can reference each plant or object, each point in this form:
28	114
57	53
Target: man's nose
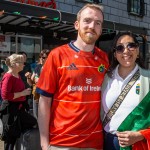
92	25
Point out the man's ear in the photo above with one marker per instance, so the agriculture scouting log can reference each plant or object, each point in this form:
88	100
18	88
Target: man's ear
76	25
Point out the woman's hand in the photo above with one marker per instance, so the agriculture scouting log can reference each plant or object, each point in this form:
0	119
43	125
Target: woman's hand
28	75
22	93
128	138
26	92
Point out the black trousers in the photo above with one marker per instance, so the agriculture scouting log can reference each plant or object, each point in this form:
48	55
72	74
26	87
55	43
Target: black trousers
111	142
27	122
9	144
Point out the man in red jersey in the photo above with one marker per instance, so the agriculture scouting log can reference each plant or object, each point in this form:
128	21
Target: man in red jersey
70	85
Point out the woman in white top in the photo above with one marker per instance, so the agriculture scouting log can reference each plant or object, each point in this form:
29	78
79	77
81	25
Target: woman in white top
125	61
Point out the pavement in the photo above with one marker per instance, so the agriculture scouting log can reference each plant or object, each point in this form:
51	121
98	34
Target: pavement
1	145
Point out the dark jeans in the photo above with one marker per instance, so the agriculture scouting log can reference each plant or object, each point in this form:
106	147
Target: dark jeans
111	142
35	108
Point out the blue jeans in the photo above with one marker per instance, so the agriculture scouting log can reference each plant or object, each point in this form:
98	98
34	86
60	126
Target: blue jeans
35	108
111	142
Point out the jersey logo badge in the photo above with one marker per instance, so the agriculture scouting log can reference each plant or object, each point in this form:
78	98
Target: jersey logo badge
72	67
138	89
88	80
101	68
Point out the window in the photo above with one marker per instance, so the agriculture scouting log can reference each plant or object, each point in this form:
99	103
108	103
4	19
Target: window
136	7
90	1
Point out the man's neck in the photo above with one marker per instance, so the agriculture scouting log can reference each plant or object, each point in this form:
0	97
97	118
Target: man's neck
83	46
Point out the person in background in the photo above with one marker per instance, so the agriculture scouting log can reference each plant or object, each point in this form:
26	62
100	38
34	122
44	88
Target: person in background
27	68
32	79
14	105
3	66
128	127
70	85
1	73
1	76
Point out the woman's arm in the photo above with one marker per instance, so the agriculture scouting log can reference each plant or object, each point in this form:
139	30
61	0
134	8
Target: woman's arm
9	84
29	79
22	93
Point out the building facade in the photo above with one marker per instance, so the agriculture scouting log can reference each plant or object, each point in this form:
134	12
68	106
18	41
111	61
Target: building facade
120	15
30	25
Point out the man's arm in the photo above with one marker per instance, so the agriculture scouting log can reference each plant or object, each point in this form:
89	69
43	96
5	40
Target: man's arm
43	120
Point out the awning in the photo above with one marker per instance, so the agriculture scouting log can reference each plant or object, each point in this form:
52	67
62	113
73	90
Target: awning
18	17
24	18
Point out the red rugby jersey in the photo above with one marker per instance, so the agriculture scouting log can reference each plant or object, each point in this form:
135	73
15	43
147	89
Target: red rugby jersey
74	78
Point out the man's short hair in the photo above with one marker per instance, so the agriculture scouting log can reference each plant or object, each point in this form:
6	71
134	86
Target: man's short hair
92	6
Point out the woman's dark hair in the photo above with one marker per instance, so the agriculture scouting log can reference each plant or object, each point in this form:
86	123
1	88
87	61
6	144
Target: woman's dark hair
22	52
44	51
113	61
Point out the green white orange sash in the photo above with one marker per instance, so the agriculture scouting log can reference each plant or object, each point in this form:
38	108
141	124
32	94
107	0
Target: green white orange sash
138	119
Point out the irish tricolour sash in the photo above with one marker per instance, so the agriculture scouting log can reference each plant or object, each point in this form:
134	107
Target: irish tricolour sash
138	119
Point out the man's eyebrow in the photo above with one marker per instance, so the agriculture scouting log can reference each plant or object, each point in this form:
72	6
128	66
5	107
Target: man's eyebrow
92	19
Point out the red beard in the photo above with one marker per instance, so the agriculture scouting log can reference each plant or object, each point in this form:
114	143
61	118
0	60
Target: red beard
89	36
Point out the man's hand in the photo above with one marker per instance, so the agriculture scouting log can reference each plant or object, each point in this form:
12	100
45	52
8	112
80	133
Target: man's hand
45	147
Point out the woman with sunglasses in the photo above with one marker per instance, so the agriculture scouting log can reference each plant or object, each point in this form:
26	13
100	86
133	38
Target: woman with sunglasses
33	79
126	115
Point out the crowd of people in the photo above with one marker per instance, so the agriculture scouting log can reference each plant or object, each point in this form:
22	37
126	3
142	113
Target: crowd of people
83	99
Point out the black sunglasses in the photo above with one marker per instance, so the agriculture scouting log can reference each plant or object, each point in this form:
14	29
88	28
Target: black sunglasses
121	47
43	57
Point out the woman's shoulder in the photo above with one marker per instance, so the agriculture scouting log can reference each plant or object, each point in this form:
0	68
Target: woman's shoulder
38	66
145	72
7	75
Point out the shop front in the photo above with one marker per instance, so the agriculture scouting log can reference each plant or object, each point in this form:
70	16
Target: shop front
30	28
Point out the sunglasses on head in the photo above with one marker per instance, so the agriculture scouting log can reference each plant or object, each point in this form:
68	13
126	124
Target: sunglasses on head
130	46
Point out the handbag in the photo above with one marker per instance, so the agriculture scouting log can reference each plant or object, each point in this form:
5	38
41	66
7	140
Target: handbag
120	98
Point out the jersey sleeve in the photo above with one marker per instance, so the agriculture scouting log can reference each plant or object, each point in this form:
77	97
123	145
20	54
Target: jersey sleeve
47	83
